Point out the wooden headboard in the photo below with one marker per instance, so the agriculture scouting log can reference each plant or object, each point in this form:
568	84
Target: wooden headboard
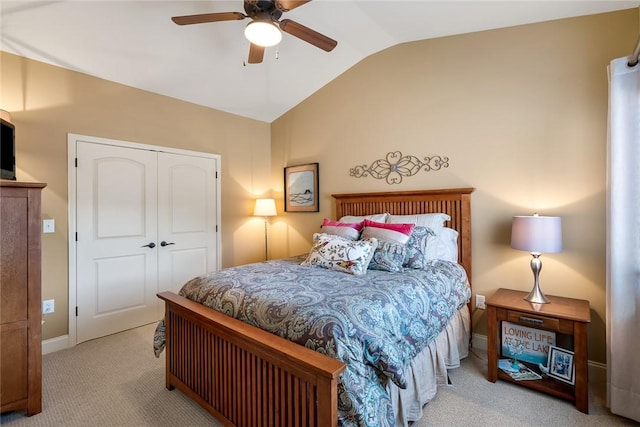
456	202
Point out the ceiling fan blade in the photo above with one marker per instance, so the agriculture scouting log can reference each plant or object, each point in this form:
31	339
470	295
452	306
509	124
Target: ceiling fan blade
256	53
287	5
307	34
208	17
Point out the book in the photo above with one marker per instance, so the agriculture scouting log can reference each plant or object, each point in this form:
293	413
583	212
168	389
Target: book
517	371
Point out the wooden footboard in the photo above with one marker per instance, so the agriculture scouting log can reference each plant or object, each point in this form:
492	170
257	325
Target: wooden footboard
245	376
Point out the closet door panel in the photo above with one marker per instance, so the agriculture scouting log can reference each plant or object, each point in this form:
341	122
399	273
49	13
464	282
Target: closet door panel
186	218
117	238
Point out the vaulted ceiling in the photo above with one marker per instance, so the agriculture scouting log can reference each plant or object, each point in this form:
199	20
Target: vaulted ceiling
136	43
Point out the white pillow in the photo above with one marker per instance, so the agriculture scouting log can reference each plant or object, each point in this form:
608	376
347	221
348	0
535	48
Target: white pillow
443	246
434	221
376	217
340	254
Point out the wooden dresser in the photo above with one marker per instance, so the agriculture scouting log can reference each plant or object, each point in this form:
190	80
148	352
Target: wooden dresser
20	301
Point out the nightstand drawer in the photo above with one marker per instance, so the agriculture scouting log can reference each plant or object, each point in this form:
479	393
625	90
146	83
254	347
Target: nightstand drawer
533	320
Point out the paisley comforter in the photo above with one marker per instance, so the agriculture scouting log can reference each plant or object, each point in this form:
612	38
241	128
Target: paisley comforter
375	323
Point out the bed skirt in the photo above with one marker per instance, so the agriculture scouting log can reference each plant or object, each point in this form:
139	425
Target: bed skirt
429	369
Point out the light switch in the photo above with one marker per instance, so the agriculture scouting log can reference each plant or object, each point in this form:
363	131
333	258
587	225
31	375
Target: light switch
48	225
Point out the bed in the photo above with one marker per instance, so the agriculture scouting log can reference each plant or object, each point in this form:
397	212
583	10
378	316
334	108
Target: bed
249	375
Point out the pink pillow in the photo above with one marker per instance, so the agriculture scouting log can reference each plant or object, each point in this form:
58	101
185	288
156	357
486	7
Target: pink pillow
357	225
398	233
349	231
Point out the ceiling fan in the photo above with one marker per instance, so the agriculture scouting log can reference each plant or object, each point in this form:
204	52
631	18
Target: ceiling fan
265	26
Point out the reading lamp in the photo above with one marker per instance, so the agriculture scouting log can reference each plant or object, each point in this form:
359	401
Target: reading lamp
265	208
536	234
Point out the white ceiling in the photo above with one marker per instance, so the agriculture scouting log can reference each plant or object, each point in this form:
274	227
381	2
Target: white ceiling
135	42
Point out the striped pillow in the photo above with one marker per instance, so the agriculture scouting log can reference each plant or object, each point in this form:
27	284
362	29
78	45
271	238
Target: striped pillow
349	231
395	233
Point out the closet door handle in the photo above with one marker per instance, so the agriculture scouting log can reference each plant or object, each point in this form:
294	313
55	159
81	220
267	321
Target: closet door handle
163	243
150	245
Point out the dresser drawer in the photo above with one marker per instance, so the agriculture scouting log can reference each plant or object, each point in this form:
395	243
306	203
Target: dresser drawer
533	320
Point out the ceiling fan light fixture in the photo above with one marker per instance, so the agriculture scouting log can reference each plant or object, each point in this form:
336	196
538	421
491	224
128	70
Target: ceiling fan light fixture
263	33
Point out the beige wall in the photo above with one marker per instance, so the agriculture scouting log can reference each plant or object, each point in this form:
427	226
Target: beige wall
46	103
522	115
520	112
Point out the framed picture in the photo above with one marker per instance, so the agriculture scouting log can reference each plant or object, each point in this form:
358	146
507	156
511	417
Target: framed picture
301	188
561	365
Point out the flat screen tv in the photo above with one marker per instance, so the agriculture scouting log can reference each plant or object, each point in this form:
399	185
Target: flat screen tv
7	150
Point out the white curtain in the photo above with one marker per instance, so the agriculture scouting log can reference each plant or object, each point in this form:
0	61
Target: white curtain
623	240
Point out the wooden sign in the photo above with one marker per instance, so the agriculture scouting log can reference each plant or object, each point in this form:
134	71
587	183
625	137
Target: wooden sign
526	344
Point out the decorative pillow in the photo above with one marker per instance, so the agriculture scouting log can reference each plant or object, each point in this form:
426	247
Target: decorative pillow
376	217
340	254
398	233
434	221
444	246
416	247
349	231
388	256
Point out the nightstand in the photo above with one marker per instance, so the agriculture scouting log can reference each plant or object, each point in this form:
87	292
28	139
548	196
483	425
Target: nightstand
566	317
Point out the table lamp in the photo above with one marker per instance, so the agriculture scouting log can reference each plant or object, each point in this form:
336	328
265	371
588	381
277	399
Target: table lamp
265	208
536	234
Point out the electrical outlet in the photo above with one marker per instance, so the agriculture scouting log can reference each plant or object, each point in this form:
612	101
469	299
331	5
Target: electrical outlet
48	306
480	302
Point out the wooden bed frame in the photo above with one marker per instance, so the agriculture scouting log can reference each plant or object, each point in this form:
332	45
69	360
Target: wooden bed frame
245	376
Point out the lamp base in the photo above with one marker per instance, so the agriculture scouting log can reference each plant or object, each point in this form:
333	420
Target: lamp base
536	296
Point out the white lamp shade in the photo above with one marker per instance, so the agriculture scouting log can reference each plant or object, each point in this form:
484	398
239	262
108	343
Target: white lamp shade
541	234
265	207
263	33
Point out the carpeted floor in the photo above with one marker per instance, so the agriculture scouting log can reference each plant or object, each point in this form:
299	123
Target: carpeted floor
116	381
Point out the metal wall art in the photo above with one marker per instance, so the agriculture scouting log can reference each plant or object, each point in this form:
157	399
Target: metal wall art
396	166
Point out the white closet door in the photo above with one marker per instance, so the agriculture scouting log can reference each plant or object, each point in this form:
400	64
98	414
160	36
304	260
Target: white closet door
117	261
186	219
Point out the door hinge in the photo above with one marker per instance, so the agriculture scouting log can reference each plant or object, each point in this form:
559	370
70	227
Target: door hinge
76	162
216	174
76	311
76	236
216	228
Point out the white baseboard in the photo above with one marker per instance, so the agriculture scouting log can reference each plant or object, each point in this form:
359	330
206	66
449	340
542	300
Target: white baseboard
55	344
479	342
597	370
